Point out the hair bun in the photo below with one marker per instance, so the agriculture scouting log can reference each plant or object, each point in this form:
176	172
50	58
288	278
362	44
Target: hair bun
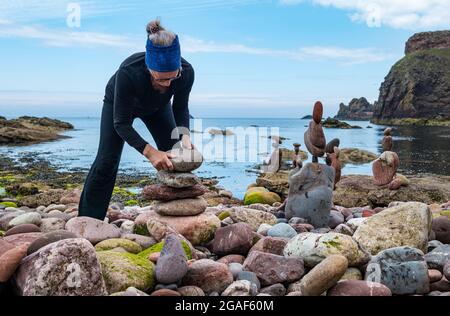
154	27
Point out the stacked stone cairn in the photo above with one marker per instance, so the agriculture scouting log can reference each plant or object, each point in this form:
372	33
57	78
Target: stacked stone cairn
178	194
384	168
311	186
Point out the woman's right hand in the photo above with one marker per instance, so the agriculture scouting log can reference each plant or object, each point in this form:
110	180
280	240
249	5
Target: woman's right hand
159	159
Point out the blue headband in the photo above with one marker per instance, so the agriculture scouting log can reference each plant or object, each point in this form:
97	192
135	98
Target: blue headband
163	58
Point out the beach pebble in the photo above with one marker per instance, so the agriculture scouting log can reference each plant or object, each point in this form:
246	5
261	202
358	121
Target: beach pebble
20	239
186	160
209	275
344	229
58	207
92	229
182	207
402	269
46	271
352	274
144	241
277	289
240	288
434	275
313	248
165	292
438	257
233	239
282	230
52	224
232	258
177	180
249	276
23	228
172	265
126	244
336	218
447	270
272	269
71	197
235	268
27	218
190	291
274	245
10	260
263	229
49	238
127	227
441	227
358	288
405	224
324	275
161	192
252	217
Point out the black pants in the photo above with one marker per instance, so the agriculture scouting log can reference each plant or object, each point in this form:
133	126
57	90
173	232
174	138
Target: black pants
101	178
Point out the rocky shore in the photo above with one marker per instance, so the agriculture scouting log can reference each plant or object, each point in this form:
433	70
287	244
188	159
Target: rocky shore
225	250
28	130
185	236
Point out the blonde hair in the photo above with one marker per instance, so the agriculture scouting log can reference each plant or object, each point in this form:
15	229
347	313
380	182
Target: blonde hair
158	34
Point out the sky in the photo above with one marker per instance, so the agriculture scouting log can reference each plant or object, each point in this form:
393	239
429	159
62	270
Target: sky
252	58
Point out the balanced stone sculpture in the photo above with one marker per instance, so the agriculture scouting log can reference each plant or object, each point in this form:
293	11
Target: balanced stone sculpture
314	136
385	167
311	186
311	194
387	140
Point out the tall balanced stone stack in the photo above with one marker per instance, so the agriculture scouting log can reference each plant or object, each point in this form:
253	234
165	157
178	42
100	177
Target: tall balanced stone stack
311	187
180	191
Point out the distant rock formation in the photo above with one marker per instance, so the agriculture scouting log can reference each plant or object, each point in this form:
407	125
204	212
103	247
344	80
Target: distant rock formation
27	129
417	89
358	110
335	123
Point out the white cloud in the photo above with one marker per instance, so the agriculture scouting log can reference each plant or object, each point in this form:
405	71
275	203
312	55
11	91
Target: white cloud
343	55
64	38
403	14
189	45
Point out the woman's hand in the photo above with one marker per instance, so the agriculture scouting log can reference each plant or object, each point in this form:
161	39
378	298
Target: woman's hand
159	159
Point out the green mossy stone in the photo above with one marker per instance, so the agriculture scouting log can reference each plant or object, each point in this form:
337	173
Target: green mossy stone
131	203
128	245
8	204
224	215
261	197
445	213
141	230
122	270
159	246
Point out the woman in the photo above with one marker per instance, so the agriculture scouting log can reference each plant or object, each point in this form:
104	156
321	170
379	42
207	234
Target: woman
141	88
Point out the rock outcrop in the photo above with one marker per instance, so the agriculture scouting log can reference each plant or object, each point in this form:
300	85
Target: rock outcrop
417	89
26	129
357	109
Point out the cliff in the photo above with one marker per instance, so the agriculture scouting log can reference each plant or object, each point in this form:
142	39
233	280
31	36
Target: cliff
417	88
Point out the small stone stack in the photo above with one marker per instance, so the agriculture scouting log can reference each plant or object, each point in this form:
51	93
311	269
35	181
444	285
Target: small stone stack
180	191
384	168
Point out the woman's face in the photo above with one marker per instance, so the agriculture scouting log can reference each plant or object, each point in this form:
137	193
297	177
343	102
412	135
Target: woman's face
164	79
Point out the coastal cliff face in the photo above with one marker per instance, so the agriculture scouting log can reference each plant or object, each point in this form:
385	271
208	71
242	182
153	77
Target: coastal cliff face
417	88
357	109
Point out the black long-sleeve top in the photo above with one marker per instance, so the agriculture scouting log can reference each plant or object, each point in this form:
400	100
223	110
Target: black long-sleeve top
133	96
